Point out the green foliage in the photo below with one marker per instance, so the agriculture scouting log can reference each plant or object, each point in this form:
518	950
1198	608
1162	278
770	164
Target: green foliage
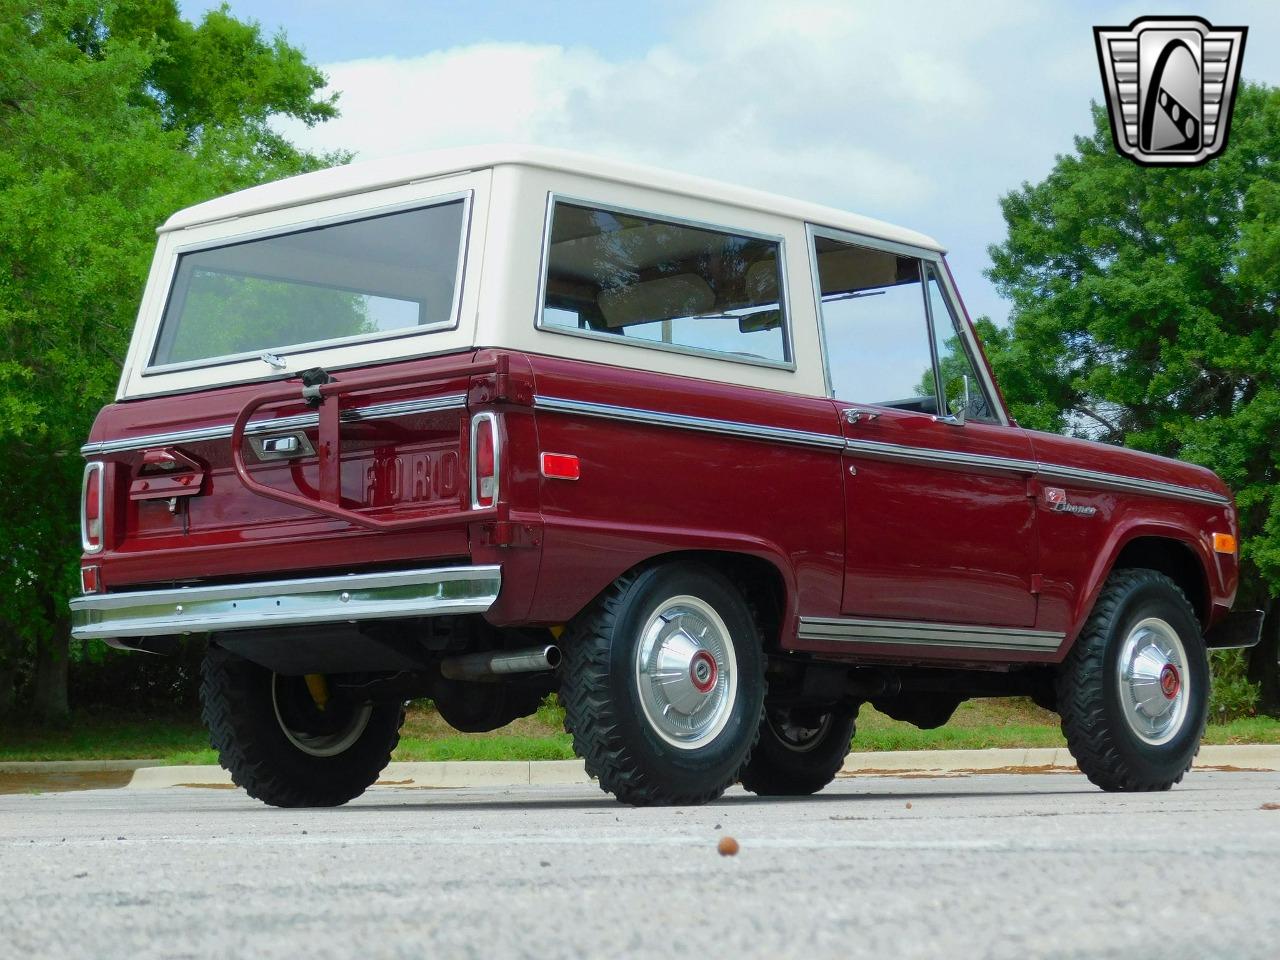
112	116
1231	695
1144	309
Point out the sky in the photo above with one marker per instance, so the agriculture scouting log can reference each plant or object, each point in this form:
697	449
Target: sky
923	114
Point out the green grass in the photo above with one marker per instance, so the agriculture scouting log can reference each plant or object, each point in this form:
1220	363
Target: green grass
182	740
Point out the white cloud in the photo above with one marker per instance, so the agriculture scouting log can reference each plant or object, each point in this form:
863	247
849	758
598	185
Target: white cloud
922	114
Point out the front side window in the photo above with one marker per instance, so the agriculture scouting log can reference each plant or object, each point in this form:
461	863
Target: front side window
961	386
657	283
381	276
875	327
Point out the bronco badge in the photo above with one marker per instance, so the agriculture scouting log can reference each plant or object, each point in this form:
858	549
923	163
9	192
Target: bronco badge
1170	83
1057	500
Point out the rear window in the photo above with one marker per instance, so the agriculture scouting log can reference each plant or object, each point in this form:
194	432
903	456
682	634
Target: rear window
657	283
384	276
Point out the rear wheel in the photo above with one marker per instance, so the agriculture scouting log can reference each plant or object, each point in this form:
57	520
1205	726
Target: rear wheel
663	684
1134	691
286	740
800	752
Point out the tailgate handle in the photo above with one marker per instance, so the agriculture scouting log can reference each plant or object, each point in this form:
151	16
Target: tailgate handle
288	446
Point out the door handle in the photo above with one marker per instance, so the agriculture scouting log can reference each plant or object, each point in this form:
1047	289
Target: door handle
858	414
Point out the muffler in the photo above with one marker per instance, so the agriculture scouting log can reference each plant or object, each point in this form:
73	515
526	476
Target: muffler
495	663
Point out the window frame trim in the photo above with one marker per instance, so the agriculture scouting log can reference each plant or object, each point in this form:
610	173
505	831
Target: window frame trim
924	257
954	317
784	289
373	213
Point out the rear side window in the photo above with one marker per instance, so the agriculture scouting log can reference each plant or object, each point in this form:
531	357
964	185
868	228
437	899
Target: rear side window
381	276
663	284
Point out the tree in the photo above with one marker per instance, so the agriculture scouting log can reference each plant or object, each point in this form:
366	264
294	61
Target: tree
1145	313
112	116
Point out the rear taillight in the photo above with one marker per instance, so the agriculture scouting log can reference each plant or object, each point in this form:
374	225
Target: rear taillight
484	460
91	508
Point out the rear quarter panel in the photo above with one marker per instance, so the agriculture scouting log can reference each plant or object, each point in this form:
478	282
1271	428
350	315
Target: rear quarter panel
647	490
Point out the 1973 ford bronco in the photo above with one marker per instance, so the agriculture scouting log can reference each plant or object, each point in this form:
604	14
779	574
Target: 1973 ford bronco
717	466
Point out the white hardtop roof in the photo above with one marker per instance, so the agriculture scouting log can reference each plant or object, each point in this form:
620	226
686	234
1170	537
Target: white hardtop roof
369	175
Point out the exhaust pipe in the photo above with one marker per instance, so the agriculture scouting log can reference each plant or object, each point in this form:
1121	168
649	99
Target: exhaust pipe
490	664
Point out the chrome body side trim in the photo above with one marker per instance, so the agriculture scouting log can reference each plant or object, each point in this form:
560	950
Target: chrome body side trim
270	603
1112	481
735	428
927	634
301	421
891	451
933	456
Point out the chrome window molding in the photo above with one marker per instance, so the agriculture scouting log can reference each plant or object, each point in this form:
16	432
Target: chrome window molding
656	418
929	634
98	467
784	292
926	256
301	421
451	323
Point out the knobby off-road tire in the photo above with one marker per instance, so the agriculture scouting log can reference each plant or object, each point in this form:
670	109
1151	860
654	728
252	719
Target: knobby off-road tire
1133	693
797	755
280	752
663	685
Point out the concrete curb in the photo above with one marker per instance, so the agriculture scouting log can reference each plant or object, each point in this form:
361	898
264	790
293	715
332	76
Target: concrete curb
149	775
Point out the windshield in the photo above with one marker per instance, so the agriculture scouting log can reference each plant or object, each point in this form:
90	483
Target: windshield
389	275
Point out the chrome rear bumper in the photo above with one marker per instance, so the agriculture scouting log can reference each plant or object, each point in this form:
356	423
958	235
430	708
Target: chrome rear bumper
267	603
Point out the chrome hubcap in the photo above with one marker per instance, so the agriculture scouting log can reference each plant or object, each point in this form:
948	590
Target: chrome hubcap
795	735
1153	681
323	736
684	672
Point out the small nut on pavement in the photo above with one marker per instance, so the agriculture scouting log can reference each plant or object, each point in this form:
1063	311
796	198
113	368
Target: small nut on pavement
727	846
908	804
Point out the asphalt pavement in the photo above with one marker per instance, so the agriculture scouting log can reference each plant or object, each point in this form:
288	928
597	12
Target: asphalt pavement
1001	866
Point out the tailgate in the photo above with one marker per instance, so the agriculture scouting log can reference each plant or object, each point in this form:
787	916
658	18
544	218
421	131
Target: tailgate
251	479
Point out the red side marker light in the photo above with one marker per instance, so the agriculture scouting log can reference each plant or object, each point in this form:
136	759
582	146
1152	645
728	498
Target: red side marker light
88	579
560	466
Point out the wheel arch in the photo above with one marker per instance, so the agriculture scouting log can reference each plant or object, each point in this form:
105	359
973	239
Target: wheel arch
1168	550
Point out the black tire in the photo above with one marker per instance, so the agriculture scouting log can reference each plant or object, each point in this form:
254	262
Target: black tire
785	764
1091	693
600	690
243	704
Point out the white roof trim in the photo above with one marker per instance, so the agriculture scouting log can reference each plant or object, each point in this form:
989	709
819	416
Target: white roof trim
372	175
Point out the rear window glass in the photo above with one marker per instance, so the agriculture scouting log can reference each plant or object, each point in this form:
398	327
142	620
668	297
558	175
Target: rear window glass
389	275
656	283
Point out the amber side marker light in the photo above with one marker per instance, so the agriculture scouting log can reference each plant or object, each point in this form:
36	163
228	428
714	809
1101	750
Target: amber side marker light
1224	543
560	466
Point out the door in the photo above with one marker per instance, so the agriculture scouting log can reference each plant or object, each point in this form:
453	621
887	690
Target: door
939	523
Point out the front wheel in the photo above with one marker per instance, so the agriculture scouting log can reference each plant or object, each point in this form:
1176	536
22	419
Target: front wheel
800	752
288	742
663	685
1134	691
